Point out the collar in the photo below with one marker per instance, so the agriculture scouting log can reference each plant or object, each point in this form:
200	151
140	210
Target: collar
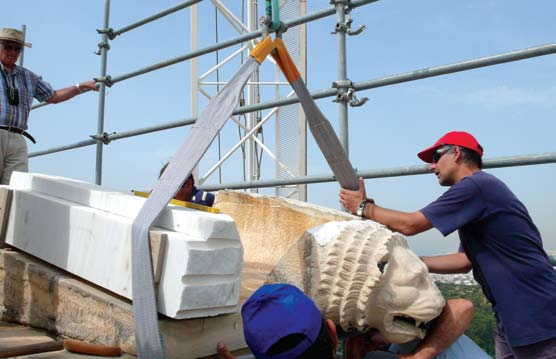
15	69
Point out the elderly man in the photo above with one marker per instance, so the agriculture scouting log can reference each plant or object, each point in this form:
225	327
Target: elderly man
18	87
498	240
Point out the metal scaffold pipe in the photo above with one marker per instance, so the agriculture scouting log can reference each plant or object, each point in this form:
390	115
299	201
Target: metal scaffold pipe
514	161
363	85
161	14
458	67
103	47
238	40
342	75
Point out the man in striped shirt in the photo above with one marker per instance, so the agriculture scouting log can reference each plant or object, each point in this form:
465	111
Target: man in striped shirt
18	87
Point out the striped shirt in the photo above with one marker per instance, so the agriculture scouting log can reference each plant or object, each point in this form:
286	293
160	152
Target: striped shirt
29	85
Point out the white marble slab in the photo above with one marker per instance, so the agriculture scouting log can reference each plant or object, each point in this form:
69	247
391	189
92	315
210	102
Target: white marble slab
200	276
174	218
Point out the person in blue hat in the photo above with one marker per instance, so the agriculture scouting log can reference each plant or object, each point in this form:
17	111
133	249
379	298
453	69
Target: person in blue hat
280	322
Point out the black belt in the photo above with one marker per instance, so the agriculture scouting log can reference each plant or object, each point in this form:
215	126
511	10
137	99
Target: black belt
20	131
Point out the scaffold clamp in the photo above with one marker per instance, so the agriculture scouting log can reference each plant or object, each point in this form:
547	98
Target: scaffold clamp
104	137
281	29
346	27
101	45
106	80
346	93
109	32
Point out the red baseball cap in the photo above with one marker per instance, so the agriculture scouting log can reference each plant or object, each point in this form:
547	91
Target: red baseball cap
456	138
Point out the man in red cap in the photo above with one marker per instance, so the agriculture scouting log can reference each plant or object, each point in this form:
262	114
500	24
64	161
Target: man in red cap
498	240
18	87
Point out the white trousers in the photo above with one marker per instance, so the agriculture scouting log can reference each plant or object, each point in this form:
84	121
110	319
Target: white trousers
13	155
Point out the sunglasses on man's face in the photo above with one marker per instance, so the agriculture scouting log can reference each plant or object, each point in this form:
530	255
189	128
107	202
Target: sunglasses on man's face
10	47
439	153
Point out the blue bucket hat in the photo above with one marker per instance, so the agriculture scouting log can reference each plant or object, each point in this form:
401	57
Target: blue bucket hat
275	311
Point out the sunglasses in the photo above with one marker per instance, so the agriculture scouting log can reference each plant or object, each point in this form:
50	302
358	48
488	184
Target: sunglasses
439	153
9	47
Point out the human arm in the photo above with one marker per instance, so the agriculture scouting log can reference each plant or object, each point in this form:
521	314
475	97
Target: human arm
223	351
452	322
72	91
407	223
448	263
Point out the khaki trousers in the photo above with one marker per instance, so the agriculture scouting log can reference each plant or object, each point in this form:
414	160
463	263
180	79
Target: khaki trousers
13	155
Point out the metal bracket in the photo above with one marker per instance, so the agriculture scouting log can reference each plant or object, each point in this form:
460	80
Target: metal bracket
354	101
109	32
102	44
106	80
346	93
346	27
265	25
104	137
356	32
281	29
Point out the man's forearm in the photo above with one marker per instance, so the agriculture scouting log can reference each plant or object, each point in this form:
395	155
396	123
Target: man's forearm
448	264
405	223
72	91
448	327
64	94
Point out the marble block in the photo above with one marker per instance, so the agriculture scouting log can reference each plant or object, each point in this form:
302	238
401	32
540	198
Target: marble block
174	218
200	274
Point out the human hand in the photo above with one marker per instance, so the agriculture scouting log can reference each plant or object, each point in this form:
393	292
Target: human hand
351	199
88	85
223	351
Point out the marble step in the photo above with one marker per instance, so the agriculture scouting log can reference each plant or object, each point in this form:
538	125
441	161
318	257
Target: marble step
199	273
174	218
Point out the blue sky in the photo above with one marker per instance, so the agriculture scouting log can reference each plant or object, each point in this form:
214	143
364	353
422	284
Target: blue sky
510	108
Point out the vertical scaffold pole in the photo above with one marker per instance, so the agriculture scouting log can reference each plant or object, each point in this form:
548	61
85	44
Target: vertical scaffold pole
342	72
194	62
302	188
102	92
252	98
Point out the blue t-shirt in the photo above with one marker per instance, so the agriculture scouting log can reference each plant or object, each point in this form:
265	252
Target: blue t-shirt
462	348
505	249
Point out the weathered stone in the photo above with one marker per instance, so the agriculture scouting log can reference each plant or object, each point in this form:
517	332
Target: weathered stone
268	226
37	294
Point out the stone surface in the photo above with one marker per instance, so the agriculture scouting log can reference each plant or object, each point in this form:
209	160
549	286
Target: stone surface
184	220
39	295
362	275
5	203
200	273
268	226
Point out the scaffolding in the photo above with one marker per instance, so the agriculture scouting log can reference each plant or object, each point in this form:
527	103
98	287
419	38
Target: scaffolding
343	91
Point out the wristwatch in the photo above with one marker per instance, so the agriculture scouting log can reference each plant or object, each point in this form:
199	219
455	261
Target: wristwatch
361	209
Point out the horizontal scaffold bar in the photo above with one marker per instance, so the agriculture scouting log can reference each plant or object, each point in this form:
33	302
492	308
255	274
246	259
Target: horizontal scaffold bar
500	162
516	55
